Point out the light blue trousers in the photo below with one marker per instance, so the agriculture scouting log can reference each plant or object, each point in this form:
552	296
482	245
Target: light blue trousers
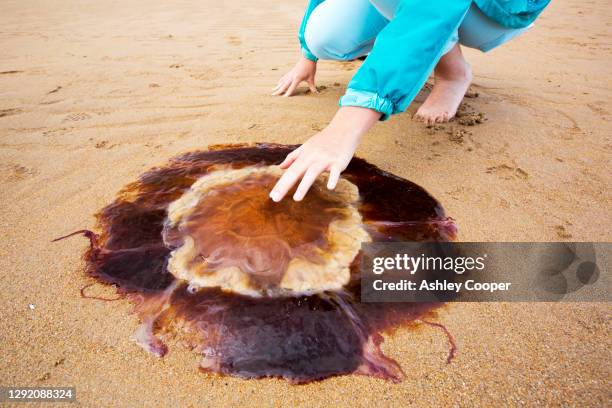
346	29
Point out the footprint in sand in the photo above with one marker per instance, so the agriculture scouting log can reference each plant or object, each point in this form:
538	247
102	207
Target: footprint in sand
16	172
598	108
207	75
572	128
508	172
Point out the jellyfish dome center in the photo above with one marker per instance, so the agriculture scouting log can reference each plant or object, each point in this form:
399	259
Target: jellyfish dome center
229	234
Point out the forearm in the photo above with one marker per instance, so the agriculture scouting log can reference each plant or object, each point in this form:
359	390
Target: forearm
353	122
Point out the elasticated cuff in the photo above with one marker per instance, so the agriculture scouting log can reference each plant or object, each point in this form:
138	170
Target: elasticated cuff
309	55
370	100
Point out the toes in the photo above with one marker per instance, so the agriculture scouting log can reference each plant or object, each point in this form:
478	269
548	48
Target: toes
443	117
431	118
421	117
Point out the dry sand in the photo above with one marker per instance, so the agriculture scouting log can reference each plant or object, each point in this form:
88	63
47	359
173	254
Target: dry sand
92	93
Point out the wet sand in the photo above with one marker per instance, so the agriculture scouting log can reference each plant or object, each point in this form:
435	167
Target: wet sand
92	94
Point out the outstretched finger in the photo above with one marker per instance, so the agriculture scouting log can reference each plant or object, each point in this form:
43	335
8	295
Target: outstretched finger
284	78
334	176
309	177
292	87
282	88
281	80
288	180
291	157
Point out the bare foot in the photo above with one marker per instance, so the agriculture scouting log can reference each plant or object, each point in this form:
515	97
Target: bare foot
453	76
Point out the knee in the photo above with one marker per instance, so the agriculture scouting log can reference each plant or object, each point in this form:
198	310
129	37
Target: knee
324	40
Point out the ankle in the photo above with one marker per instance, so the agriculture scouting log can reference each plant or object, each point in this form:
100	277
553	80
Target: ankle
453	66
458	70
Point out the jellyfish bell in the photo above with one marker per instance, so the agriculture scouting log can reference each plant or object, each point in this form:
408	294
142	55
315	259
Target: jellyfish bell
228	233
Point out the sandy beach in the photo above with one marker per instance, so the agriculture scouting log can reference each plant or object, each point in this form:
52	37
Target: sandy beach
92	94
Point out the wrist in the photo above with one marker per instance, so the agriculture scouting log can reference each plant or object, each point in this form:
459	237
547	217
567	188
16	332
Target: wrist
306	61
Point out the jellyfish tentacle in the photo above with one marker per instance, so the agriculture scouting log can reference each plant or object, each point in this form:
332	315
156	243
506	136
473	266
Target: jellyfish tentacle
150	309
92	236
451	340
86	296
376	364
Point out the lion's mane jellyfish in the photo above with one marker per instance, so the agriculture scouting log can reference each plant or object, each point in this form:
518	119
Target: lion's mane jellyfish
259	288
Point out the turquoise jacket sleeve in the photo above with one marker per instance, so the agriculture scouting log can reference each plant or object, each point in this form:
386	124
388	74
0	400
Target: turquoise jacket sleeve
312	4
404	54
512	13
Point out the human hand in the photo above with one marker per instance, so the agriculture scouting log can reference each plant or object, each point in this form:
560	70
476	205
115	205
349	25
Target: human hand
304	70
330	150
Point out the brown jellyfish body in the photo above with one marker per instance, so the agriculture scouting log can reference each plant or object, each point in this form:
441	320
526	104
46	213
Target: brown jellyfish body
257	288
230	235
